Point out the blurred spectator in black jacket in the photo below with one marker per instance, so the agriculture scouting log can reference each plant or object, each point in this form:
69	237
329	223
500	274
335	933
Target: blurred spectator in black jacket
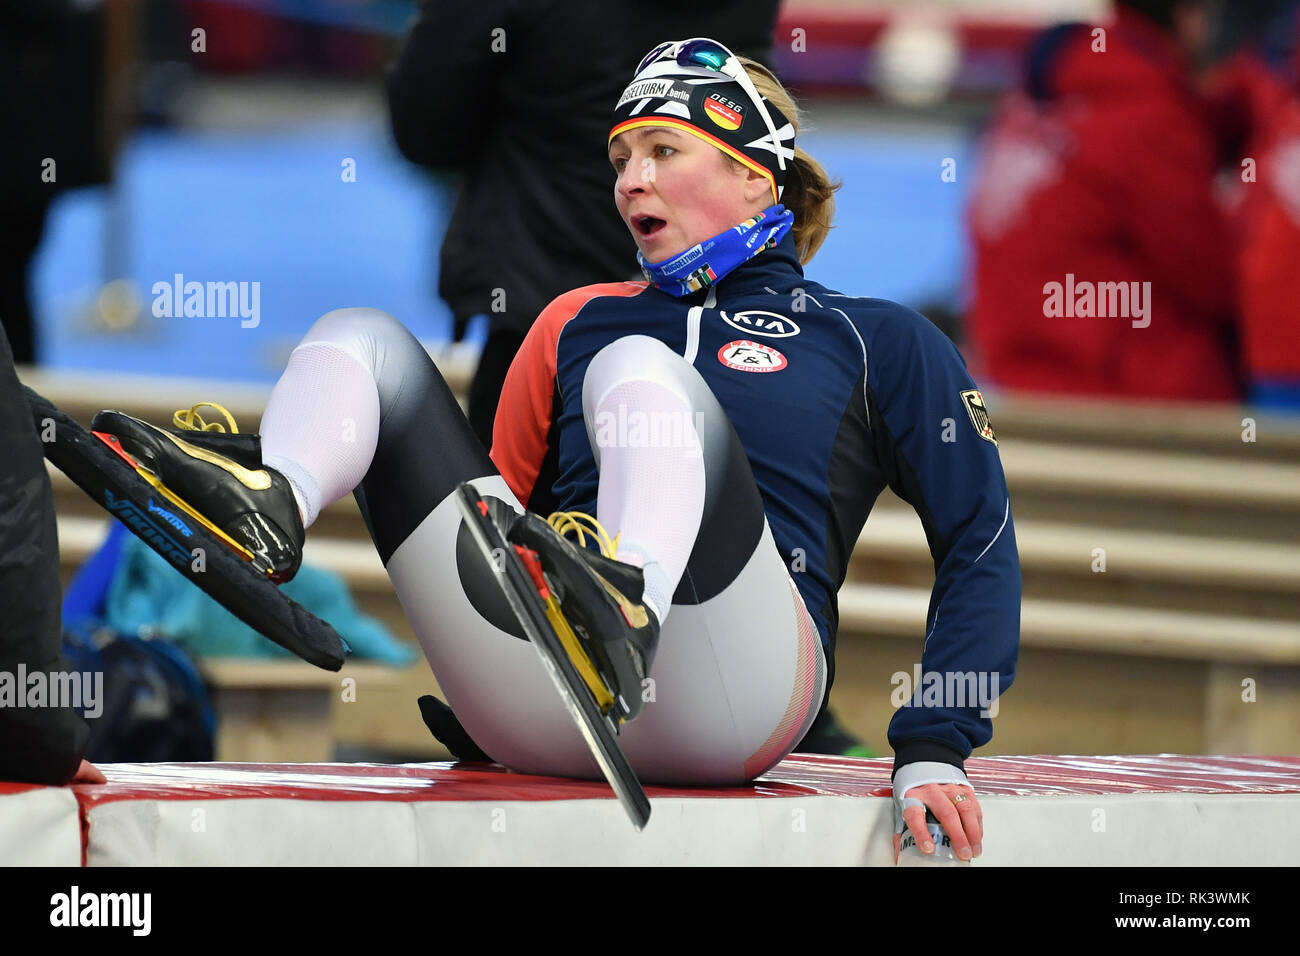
38	744
53	77
517	95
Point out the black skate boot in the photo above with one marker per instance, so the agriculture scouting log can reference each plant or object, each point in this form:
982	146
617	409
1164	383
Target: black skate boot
601	598
218	479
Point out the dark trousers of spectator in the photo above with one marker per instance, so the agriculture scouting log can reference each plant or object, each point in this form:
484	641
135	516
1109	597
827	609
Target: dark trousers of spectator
485	390
38	744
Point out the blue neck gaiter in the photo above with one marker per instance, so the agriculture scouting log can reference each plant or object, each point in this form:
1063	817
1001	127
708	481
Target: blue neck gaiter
704	264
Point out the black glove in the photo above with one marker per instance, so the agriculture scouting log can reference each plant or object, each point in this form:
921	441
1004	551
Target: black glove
444	726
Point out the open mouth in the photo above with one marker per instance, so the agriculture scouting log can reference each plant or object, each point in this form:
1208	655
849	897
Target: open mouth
648	226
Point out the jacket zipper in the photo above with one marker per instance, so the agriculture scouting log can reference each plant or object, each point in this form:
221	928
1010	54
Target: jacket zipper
693	316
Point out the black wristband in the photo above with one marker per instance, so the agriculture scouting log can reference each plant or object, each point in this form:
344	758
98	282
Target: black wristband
925	749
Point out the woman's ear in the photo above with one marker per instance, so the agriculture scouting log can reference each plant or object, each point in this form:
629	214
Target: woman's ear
756	185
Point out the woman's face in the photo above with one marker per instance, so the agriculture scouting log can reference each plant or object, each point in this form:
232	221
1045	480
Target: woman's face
674	190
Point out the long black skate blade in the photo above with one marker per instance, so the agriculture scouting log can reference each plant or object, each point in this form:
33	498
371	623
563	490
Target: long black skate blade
520	592
230	581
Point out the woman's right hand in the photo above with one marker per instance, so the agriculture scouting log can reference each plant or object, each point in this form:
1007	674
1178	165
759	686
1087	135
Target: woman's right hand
88	773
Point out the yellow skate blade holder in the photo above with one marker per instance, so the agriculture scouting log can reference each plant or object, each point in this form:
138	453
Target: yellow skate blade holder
573	647
180	503
600	693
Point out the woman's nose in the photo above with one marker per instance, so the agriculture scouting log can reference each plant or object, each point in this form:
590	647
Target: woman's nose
633	180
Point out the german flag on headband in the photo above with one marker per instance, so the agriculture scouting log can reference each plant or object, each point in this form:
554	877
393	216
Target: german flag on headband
711	106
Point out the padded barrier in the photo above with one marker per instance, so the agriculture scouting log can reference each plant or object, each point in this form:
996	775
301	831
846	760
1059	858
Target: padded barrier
809	810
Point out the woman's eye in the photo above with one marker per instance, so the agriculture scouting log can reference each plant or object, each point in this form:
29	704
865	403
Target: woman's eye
660	152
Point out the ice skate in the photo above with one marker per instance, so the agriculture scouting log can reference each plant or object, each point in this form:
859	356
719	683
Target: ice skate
600	599
216	477
225	570
583	614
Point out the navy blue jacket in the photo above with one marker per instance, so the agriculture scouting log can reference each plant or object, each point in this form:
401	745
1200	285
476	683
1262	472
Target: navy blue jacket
858	394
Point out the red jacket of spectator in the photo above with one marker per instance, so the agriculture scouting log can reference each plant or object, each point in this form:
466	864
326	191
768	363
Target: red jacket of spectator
1100	173
1260	115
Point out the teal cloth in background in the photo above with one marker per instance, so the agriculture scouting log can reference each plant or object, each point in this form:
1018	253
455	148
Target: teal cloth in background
146	592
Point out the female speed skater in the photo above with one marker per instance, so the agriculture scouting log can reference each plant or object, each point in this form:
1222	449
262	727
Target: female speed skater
727	423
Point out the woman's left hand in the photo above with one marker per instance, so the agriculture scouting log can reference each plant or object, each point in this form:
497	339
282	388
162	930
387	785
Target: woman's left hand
944	789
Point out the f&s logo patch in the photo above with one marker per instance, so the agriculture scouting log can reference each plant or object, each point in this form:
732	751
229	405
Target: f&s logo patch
746	356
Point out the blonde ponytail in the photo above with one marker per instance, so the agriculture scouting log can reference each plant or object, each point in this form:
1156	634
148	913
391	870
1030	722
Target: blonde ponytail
809	192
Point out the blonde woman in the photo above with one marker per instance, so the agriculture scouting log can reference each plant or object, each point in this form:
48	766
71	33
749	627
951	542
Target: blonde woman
727	421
